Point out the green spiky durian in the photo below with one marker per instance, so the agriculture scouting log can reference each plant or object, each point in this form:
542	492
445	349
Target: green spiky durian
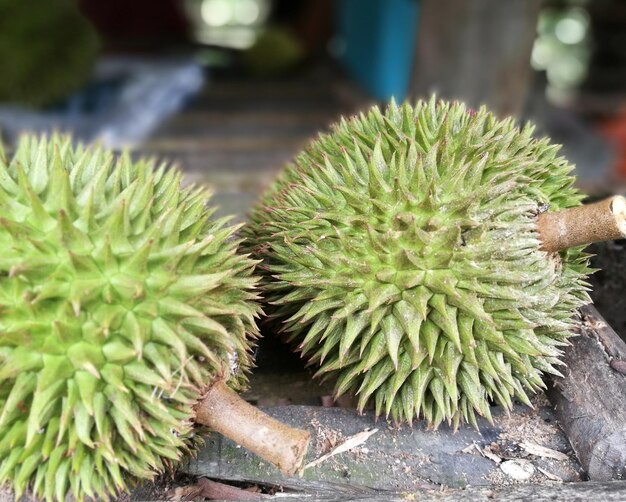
47	48
120	301
402	255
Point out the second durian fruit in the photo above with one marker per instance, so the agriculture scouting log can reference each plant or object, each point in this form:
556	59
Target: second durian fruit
126	315
401	252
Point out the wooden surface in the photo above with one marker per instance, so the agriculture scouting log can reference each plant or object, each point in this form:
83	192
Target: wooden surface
571	492
574	492
590	402
590	405
395	459
237	134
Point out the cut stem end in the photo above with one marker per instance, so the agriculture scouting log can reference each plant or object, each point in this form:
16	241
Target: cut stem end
225	412
601	221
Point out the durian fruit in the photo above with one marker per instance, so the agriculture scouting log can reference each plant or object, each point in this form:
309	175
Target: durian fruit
402	255
47	48
124	306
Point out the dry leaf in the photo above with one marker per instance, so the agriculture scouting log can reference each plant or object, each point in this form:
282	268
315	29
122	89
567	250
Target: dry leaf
183	493
548	474
542	451
348	444
486	452
470	448
220	491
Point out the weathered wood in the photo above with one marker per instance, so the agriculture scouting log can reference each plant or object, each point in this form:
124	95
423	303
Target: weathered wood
477	51
571	492
394	459
590	402
613	491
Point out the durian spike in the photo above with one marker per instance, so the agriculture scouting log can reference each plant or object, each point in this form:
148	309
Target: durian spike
225	412
601	221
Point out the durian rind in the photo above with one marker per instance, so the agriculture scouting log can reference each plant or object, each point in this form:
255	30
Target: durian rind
120	300
401	254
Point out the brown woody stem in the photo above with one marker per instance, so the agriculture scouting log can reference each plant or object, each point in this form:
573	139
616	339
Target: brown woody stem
225	412
600	221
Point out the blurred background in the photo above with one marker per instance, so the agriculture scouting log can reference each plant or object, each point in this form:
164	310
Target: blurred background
231	89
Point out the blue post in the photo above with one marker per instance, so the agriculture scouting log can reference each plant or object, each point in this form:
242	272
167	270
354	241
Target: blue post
378	39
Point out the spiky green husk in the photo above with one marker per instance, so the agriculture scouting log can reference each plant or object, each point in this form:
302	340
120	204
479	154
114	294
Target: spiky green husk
120	301
401	253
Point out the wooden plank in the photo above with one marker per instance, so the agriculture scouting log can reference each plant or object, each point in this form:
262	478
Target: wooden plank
227	143
590	491
605	492
590	401
396	459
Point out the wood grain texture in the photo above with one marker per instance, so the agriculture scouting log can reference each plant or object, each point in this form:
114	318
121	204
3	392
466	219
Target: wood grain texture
571	492
394	459
590	401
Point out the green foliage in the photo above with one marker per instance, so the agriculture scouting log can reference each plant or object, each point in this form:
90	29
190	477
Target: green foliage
276	51
47	49
121	300
401	253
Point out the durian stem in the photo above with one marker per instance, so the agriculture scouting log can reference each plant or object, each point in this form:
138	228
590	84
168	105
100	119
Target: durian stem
600	221
225	412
